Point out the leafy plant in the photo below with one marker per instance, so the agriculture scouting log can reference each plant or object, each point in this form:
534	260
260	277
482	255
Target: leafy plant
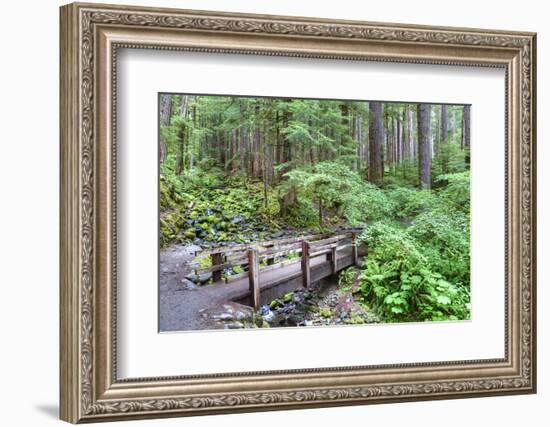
400	284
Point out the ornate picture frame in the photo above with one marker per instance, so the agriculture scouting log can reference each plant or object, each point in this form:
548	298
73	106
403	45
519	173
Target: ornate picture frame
90	37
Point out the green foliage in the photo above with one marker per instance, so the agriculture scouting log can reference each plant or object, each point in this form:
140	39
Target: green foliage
419	201
345	280
400	292
202	204
335	186
292	255
237	169
302	214
417	273
445	238
456	190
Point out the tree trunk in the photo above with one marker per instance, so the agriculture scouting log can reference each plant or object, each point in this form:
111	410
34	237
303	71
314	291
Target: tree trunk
466	134
424	149
288	199
444	139
434	132
376	139
182	135
412	147
399	133
357	138
444	125
405	144
390	136
165	113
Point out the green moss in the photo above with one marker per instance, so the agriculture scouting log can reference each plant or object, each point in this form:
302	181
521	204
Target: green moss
288	297
354	319
166	233
325	312
166	201
203	261
274	304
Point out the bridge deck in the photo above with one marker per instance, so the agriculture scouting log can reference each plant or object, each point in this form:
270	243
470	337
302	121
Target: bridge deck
184	309
275	283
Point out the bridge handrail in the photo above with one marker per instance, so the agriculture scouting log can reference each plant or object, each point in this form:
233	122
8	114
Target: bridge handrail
266	243
268	251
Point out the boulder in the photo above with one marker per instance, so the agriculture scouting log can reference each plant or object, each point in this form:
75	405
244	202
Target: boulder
201	278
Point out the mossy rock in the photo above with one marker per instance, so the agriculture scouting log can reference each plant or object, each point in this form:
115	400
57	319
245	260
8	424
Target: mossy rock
189	233
325	312
354	320
288	297
274	304
165	229
180	221
258	320
166	201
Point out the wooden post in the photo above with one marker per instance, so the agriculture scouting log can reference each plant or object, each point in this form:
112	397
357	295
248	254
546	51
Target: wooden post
216	260
254	278
333	260
306	272
354	249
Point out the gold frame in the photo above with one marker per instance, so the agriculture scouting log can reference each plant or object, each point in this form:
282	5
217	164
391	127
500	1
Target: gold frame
90	36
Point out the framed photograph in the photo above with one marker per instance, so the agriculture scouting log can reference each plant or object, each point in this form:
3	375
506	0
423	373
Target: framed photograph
267	212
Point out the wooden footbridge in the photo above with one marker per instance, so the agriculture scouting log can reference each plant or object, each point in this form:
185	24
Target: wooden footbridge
278	266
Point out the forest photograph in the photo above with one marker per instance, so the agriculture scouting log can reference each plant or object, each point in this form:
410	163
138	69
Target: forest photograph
290	212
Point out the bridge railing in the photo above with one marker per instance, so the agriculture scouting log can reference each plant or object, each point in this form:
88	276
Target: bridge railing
265	256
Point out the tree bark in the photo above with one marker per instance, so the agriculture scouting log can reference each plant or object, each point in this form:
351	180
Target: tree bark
357	131
412	145
405	132
182	135
376	140
466	134
288	199
165	114
444	139
424	149
444	124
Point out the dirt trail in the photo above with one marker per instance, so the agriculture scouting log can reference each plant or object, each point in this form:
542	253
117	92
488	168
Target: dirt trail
179	297
185	306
